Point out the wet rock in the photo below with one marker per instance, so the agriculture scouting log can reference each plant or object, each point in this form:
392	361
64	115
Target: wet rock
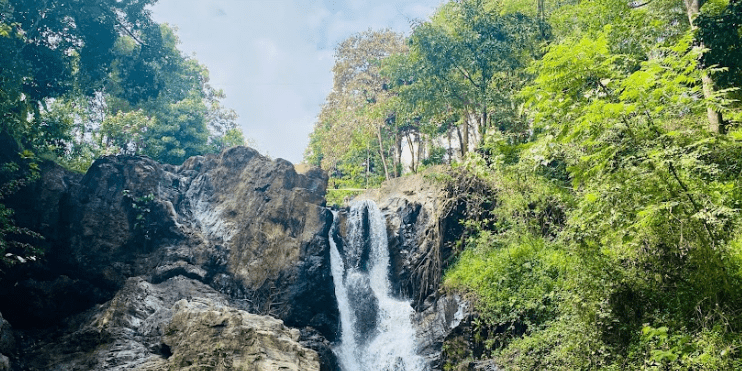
4	363
7	339
180	268
314	340
488	365
7	344
435	323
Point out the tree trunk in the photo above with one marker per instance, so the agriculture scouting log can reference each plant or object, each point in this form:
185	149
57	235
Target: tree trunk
398	156
465	141
541	11
461	141
421	150
483	125
716	121
411	145
381	151
449	151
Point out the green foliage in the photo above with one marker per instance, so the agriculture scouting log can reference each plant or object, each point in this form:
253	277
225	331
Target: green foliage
181	132
17	243
466	62
355	138
53	48
84	80
615	240
516	281
142	207
125	130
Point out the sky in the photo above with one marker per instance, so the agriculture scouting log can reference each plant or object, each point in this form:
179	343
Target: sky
273	58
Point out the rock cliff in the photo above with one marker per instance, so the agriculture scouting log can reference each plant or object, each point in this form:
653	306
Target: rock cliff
131	237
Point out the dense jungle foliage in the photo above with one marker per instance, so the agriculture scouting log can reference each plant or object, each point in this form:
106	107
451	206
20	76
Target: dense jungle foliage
81	79
610	130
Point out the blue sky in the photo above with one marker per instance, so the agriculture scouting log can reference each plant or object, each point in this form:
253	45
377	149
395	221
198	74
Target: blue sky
273	57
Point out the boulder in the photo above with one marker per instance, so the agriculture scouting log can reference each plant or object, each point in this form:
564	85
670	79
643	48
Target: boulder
244	341
179	323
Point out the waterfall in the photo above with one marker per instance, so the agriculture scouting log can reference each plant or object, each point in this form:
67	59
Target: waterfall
377	333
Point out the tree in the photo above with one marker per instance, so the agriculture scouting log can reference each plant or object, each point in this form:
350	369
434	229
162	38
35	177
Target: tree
180	131
51	47
715	119
124	132
156	101
717	30
354	113
467	60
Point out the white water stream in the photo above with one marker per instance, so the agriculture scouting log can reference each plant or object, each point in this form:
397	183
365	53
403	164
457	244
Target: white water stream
377	333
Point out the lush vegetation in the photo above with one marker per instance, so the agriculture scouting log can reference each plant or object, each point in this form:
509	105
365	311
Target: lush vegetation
82	79
610	131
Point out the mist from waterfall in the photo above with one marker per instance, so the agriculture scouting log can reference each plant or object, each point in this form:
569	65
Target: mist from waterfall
377	333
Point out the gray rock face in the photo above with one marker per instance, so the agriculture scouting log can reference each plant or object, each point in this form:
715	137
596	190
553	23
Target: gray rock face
436	322
152	327
238	229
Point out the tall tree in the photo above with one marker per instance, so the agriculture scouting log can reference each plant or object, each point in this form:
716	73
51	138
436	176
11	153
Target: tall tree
718	31
355	107
467	59
715	119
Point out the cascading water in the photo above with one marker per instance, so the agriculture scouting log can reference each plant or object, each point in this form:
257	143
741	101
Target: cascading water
376	330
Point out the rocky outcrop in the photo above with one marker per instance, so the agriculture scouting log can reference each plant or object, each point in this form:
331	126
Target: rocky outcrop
152	327
245	341
128	239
